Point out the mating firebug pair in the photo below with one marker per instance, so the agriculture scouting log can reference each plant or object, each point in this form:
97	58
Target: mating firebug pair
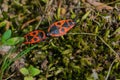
57	29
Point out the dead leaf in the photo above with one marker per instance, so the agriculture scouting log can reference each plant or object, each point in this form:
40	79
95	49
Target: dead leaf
4	49
18	64
44	64
99	5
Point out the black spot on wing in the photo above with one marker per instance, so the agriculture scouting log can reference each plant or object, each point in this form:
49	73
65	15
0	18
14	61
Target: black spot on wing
63	30
35	39
70	22
65	24
34	33
54	30
29	38
40	35
58	23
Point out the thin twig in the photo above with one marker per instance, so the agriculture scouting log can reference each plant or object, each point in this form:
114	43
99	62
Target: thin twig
39	22
83	34
10	76
117	56
109	70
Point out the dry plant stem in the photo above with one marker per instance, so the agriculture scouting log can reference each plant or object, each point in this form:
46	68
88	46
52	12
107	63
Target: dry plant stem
39	22
28	22
10	76
109	70
44	12
117	56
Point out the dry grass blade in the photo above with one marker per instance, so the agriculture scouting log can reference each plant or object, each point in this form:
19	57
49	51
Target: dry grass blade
30	21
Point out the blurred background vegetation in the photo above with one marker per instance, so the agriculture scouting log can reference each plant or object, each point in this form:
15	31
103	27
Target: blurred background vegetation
89	51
